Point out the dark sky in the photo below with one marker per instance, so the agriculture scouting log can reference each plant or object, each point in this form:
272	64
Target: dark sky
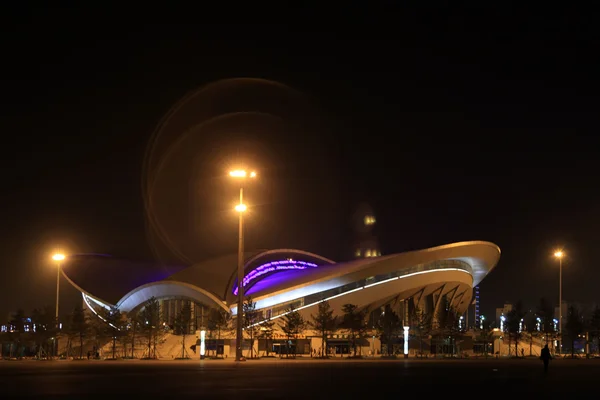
452	125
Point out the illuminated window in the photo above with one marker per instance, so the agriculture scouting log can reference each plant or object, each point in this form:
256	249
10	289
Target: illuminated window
357	253
368	253
369	220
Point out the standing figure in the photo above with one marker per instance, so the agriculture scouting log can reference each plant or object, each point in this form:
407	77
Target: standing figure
545	357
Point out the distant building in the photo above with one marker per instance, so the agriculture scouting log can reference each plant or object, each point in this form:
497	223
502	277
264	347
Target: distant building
364	223
585	310
476	304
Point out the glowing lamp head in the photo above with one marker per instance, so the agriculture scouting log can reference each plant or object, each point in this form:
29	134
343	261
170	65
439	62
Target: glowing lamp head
558	254
240	208
58	257
240	173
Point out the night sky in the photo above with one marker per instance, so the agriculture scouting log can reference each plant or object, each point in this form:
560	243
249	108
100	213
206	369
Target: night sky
452	126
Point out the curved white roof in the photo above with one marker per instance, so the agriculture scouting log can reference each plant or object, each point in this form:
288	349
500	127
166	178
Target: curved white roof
480	256
213	281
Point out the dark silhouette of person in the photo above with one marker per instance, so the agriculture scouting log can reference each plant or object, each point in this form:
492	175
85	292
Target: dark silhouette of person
545	357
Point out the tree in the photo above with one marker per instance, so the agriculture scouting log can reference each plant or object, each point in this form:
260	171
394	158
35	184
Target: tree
573	326
219	320
292	325
388	325
79	327
182	326
44	323
251	319
324	323
354	322
513	325
112	326
421	323
99	330
266	332
17	333
531	329
447	324
150	320
594	325
132	328
486	335
545	312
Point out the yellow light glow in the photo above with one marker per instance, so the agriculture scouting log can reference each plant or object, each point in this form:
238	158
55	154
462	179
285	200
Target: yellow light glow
558	254
238	173
240	208
369	220
58	257
253	174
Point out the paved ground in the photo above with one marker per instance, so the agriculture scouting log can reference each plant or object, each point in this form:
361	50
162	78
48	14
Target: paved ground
280	379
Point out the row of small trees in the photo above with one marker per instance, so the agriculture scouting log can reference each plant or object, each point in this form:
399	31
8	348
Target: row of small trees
23	336
40	329
146	326
293	325
357	323
575	325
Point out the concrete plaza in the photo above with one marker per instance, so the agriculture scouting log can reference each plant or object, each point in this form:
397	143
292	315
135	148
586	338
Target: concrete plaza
300	378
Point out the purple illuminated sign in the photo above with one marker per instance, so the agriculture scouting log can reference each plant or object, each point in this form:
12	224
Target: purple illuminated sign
273	266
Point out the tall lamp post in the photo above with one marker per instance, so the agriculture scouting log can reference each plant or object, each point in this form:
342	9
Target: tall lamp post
559	254
58	257
242	175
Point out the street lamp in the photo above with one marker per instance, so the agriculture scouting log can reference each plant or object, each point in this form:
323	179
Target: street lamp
240	208
559	254
58	257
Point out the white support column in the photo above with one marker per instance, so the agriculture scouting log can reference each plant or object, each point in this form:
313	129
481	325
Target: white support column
406	329
202	344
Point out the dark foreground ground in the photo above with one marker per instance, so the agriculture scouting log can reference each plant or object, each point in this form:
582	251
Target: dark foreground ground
280	379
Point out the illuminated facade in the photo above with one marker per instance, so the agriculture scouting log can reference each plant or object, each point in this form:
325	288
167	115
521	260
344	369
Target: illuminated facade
276	280
365	243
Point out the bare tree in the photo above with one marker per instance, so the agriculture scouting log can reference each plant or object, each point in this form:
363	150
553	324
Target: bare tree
182	327
133	328
44	322
150	324
447	325
594	326
219	321
574	327
251	319
324	323
266	332
292	324
421	323
388	326
114	328
354	322
513	325
79	326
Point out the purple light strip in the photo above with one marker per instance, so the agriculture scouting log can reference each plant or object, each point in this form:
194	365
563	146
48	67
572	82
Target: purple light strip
273	266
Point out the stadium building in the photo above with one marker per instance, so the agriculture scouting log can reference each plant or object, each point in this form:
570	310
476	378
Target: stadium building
428	279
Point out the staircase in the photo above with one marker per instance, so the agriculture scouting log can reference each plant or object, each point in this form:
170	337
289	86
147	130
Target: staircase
170	347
